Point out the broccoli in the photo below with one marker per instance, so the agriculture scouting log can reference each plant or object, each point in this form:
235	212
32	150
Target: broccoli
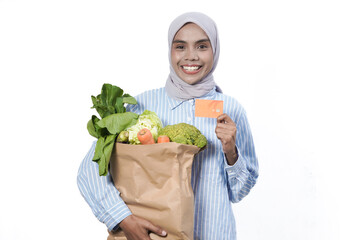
184	133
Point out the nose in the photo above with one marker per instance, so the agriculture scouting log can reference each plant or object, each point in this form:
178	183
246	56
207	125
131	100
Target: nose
191	54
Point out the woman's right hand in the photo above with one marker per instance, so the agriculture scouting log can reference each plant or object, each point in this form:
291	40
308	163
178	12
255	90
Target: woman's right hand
137	228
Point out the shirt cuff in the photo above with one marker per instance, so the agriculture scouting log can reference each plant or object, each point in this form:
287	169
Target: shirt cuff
238	169
114	215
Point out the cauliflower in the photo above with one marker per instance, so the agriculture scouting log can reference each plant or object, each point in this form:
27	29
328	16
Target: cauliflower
184	133
147	119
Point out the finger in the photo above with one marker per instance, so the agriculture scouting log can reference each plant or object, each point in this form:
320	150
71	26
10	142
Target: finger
228	128
224	118
221	117
156	229
225	138
226	133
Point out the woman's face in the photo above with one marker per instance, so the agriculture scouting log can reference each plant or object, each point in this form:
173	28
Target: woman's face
191	54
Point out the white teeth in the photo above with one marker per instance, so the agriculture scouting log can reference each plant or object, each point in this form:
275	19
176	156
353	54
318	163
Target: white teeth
192	68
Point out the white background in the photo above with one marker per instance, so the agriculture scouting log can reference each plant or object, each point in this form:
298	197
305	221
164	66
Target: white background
292	64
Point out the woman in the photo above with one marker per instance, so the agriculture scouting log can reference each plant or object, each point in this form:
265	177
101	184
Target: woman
223	173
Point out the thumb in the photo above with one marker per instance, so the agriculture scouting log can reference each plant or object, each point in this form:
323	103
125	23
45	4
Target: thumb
156	229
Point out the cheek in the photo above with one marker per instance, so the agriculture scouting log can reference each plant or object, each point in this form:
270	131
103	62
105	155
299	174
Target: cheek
174	58
209	61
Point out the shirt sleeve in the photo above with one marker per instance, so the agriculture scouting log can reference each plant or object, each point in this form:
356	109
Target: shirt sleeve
243	174
100	193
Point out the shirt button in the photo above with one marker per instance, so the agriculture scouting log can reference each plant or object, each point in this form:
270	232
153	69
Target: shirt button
189	119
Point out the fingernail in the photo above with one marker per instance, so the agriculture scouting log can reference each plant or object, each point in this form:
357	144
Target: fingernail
163	233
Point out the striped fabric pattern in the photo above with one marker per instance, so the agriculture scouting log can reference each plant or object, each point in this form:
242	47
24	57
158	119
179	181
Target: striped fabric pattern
216	184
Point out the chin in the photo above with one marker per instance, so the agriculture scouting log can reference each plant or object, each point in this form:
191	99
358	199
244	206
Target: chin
191	82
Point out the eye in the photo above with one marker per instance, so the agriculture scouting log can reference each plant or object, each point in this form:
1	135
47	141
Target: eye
203	46
178	46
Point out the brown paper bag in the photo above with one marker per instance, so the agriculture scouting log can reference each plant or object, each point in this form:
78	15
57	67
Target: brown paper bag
155	183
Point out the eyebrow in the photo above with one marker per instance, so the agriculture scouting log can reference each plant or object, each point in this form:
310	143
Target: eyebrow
198	41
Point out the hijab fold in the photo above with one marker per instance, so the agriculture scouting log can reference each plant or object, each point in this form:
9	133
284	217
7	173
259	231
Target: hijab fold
175	86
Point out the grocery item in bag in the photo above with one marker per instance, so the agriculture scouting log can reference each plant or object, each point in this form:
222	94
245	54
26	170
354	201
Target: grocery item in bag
155	183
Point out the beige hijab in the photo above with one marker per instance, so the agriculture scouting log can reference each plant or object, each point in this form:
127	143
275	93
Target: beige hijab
175	86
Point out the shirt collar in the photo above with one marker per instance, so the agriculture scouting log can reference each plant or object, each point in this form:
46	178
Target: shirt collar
175	103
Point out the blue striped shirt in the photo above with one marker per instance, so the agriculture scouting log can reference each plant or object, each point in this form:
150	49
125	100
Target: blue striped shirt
216	184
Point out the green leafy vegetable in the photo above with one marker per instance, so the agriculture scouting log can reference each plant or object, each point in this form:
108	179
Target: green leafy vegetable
110	104
115	123
111	100
103	150
94	129
129	99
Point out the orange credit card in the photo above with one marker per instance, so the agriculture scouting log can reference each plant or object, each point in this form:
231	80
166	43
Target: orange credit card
208	108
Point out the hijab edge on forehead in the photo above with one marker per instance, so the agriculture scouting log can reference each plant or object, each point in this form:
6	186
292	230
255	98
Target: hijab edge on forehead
204	22
175	86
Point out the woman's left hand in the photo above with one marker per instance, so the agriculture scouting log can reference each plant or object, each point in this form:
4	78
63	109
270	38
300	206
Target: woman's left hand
226	132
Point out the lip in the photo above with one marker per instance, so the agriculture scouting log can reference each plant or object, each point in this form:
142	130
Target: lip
191	71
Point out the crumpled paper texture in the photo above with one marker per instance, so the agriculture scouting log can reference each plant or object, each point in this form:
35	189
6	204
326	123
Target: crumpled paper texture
155	183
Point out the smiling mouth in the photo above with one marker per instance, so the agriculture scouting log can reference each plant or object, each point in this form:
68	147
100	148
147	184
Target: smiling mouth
191	69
